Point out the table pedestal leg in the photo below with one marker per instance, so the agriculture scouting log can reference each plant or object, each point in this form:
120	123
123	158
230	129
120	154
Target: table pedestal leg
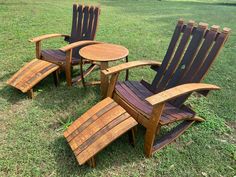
127	71
104	79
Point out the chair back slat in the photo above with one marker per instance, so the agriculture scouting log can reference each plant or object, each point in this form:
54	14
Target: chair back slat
85	22
95	22
176	59
84	25
201	72
90	23
200	57
74	25
169	54
189	56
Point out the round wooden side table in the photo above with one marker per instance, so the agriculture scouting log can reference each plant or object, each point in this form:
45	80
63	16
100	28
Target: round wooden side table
103	53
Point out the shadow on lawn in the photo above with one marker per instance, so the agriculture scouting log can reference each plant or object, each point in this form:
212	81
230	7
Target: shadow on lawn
119	153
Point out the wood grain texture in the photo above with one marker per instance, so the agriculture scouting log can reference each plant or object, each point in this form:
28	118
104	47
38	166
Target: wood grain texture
31	74
179	91
129	65
190	54
97	128
135	94
58	57
47	36
104	52
78	44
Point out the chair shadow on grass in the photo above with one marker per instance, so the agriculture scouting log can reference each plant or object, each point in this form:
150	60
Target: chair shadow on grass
117	154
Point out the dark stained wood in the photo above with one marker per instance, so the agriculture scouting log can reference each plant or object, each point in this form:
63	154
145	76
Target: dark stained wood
188	56
176	59
172	135
58	57
30	93
97	128
169	53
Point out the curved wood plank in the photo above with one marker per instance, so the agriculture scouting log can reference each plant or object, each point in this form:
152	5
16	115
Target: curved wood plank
132	64
78	44
179	91
47	36
97	128
31	74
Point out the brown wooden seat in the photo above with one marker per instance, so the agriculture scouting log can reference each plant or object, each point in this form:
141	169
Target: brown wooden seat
97	128
84	27
58	57
135	93
31	74
190	54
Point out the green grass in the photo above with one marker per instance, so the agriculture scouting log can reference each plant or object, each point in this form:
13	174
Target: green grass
31	130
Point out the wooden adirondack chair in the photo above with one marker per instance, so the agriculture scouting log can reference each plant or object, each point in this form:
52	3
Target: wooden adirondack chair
84	26
191	52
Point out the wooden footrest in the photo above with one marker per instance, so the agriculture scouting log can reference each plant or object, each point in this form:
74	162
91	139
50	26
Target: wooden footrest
31	74
97	128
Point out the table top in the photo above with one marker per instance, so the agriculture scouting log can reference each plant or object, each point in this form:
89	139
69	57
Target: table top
104	52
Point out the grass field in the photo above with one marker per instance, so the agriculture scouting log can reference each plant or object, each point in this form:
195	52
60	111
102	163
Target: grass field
31	141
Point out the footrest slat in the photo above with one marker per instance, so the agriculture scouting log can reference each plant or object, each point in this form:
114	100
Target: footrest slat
31	74
97	128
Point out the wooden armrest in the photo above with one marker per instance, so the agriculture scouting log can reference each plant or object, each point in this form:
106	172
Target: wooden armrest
132	64
77	44
47	36
179	91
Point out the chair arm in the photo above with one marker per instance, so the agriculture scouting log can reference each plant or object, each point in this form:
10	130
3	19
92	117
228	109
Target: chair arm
47	36
128	65
78	44
179	91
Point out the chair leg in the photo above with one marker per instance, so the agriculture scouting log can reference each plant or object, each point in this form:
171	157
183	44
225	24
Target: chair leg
30	93
149	140
132	136
92	162
56	78
82	72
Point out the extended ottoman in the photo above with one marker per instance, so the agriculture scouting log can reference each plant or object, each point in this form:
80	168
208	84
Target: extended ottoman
97	128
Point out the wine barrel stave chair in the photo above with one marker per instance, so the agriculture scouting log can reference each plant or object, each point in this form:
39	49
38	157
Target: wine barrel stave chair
84	27
191	52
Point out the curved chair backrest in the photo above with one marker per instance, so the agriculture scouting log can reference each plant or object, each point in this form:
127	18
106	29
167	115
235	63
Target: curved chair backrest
84	24
191	52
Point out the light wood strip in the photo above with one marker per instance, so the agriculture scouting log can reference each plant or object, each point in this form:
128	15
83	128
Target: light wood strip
91	120
92	111
102	131
106	139
96	126
47	36
129	65
179	91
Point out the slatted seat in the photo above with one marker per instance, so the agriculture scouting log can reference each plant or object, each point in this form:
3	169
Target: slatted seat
191	52
135	93
31	74
58	57
97	128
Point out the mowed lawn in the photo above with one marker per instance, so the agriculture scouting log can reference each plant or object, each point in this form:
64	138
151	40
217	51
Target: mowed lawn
31	131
